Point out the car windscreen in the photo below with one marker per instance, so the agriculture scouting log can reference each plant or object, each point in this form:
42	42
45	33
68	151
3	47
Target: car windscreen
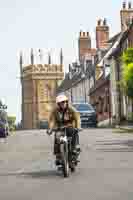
83	107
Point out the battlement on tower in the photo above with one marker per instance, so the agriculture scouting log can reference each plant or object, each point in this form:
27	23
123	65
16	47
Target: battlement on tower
42	68
40	71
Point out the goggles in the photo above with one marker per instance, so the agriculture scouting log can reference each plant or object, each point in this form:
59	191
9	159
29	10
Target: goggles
63	102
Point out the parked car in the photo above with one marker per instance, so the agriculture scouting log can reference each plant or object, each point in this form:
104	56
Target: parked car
87	114
43	124
4	128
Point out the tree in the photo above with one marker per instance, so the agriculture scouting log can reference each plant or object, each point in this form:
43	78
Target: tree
11	122
128	80
127	75
127	56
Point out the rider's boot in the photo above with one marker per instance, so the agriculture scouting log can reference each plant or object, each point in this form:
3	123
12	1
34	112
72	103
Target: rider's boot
57	154
77	148
58	160
76	151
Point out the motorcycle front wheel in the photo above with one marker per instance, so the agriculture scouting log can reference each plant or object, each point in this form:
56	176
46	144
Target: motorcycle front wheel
64	155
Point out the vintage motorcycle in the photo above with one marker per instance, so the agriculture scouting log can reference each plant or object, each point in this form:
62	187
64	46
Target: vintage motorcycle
68	158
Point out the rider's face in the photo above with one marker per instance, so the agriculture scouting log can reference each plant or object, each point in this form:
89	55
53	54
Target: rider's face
63	105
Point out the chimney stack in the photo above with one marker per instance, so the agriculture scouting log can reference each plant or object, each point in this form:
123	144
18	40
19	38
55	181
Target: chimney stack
124	5
102	34
84	43
126	14
129	5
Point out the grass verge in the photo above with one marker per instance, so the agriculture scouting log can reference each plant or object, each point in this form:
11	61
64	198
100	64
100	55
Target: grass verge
123	130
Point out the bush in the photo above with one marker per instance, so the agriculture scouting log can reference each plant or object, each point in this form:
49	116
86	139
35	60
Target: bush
11	123
130	116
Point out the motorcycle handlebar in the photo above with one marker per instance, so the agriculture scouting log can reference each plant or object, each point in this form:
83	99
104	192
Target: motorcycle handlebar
62	128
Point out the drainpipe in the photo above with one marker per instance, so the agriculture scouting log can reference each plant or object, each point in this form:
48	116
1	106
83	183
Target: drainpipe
109	104
84	91
119	95
71	96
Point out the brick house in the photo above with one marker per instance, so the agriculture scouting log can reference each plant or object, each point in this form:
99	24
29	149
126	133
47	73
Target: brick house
96	78
107	95
122	106
100	99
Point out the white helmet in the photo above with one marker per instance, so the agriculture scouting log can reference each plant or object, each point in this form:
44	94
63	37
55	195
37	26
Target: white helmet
61	98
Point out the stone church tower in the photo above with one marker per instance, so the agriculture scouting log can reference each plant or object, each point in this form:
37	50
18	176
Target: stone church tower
39	84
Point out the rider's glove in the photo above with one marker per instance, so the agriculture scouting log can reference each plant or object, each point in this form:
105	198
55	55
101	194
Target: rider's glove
49	131
78	129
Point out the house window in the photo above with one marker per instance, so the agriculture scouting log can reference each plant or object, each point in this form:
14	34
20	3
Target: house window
106	102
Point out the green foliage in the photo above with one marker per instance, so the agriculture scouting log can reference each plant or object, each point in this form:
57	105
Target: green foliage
127	56
11	122
127	73
128	79
130	116
11	119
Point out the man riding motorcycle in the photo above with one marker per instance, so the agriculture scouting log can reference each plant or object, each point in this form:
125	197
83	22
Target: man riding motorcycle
64	115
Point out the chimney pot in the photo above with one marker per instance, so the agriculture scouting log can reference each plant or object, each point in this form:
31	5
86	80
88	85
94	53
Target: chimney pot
87	34
129	5
105	22
124	5
83	33
99	22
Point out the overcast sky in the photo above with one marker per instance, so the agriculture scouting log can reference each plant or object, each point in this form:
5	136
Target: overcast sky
47	24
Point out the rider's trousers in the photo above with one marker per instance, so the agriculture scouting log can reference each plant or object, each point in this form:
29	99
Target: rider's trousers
70	132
